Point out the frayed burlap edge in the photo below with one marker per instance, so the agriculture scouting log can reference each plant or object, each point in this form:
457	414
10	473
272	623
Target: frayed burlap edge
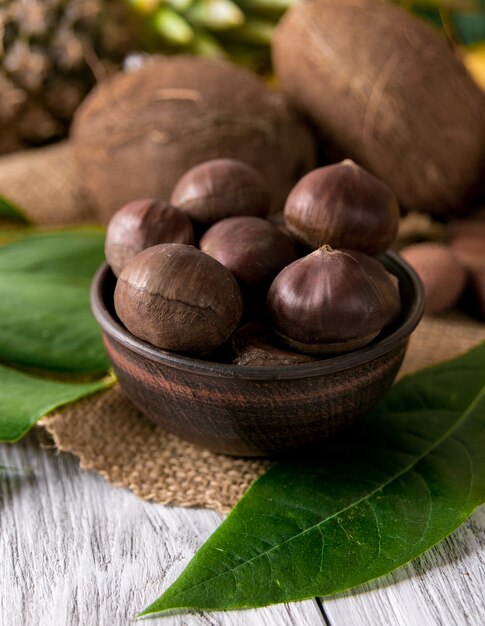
111	437
114	439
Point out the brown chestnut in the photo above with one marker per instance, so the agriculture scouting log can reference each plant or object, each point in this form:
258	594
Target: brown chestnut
332	301
468	245
221	188
344	206
178	298
441	273
141	224
251	248
255	345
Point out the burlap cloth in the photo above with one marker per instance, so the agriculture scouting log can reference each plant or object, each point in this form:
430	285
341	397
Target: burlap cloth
45	185
105	431
113	438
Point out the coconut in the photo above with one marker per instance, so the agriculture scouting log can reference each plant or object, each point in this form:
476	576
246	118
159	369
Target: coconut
390	93
137	133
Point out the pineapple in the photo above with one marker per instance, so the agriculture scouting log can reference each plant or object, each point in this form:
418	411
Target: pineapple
51	54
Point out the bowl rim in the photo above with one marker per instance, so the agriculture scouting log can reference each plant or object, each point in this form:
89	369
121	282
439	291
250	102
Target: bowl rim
329	365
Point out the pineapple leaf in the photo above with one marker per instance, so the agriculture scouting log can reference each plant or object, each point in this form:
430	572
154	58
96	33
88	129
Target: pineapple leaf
270	7
215	14
172	27
254	31
205	44
180	6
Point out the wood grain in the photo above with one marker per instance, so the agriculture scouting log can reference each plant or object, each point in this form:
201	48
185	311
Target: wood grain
443	587
76	551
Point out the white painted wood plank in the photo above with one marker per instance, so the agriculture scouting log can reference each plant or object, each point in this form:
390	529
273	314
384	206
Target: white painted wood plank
76	551
443	587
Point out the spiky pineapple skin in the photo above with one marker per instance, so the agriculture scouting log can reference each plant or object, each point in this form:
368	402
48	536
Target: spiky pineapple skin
51	54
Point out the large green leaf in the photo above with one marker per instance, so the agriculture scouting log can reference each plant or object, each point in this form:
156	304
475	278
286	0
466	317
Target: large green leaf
68	254
24	399
11	212
412	473
45	316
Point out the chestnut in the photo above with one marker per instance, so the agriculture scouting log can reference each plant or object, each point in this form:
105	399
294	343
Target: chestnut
221	188
441	273
141	224
256	345
178	299
251	248
468	245
332	301
344	206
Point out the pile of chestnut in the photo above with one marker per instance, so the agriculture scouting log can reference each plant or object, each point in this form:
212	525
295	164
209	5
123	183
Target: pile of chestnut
275	290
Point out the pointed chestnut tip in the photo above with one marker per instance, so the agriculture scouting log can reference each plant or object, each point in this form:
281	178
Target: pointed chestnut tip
345	206
349	163
332	301
327	249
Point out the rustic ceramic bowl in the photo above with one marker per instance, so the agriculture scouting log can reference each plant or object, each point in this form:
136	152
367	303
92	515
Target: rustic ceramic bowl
256	411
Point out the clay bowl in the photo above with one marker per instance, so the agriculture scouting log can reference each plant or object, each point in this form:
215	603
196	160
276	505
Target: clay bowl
256	411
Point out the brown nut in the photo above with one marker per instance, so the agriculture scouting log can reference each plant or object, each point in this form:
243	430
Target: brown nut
251	248
344	206
332	301
141	224
255	345
178	298
221	188
441	273
468	245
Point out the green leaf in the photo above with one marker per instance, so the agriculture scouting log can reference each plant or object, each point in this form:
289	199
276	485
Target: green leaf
172	27
11	212
24	399
255	30
215	14
70	254
266	7
179	5
470	27
205	44
407	477
45	315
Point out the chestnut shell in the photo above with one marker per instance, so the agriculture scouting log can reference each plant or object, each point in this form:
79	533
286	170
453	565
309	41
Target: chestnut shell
252	248
332	301
220	188
141	224
178	298
255	345
344	206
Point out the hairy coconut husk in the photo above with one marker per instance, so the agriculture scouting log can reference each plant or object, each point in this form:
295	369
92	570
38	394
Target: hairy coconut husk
390	93
137	133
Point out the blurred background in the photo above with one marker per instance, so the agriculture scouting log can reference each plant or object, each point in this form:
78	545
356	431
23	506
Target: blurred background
52	52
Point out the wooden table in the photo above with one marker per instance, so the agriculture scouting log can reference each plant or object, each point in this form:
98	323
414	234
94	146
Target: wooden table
75	550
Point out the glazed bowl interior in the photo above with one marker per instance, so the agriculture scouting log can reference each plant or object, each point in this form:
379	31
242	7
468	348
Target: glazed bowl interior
256	411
